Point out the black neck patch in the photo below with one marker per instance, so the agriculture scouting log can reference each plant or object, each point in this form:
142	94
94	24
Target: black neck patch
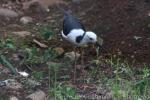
79	38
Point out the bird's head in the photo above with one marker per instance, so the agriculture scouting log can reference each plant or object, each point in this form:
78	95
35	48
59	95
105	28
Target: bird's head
91	37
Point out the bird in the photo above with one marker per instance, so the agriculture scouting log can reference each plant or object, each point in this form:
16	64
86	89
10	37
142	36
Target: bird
74	32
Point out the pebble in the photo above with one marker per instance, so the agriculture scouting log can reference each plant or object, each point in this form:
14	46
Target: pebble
8	13
59	50
137	37
13	98
71	56
38	95
26	20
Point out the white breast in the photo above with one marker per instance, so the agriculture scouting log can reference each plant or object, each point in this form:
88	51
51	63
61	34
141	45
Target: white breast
71	37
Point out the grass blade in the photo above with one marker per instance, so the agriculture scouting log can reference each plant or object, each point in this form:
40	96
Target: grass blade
7	64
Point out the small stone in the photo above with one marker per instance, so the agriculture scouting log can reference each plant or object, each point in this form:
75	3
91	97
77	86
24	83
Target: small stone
71	55
38	24
132	56
122	42
26	20
8	13
137	37
135	52
48	10
13	98
38	95
149	14
129	45
59	50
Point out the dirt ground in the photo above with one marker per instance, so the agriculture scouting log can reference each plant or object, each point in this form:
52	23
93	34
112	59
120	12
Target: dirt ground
118	22
124	25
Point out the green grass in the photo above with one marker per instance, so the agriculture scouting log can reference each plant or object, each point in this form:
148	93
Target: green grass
129	83
126	81
58	90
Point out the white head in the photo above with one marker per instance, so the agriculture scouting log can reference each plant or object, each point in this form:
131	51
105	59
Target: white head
91	37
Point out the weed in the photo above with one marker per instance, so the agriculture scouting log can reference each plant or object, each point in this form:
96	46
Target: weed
5	62
62	92
38	75
46	33
34	56
125	84
57	89
8	43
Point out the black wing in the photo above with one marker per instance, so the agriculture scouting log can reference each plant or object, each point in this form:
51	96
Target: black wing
70	23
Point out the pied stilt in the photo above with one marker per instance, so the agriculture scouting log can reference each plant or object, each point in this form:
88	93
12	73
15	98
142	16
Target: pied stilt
74	32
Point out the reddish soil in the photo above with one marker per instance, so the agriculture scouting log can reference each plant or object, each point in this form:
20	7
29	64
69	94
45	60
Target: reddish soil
118	21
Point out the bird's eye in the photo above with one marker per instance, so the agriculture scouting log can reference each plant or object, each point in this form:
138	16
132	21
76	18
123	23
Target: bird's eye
91	38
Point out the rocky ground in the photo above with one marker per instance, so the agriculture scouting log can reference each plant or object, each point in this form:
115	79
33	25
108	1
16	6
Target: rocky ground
26	24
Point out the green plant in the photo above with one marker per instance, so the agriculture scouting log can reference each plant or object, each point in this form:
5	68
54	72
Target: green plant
32	56
5	62
10	44
124	85
96	62
64	93
95	71
35	56
67	93
49	54
53	71
57	89
38	75
45	32
142	86
7	43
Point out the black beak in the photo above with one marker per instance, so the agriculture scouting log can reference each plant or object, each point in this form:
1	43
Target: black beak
99	46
